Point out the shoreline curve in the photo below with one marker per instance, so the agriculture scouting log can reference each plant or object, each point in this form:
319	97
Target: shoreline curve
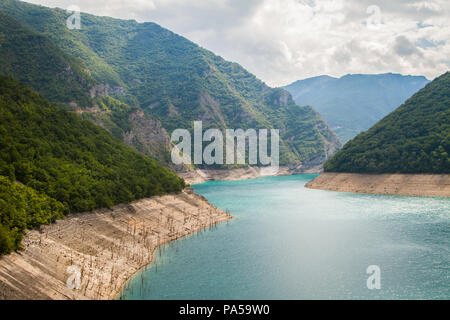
423	185
108	246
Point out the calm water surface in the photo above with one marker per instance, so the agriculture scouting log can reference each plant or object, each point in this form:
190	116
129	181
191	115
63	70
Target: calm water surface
289	242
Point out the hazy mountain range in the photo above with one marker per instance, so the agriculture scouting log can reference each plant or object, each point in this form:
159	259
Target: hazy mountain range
415	138
355	102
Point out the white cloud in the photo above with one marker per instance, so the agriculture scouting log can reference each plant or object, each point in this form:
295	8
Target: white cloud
281	41
429	5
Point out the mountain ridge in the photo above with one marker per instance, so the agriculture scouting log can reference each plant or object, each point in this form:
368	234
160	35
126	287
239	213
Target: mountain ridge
176	81
354	102
415	138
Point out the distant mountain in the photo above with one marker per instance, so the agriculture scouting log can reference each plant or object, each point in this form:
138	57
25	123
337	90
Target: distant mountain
173	80
355	102
53	163
415	138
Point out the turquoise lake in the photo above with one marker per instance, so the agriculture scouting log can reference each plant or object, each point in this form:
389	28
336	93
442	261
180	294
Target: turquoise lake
289	242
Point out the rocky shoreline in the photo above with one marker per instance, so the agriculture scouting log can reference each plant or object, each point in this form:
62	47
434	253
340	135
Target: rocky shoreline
106	246
201	175
429	185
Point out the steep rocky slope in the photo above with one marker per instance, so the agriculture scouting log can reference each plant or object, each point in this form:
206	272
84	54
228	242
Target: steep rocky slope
175	81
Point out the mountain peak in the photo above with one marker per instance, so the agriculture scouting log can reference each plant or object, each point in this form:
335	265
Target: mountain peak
354	102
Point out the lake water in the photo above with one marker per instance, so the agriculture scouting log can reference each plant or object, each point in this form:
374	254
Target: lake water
289	242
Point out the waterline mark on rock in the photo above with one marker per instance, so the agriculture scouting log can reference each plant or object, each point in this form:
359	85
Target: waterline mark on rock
235	147
374	280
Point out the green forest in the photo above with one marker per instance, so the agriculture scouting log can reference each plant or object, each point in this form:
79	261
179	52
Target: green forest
22	207
177	82
61	162
36	61
415	138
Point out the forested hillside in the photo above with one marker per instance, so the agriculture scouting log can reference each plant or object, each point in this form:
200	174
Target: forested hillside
355	102
53	163
415	138
38	62
177	82
66	81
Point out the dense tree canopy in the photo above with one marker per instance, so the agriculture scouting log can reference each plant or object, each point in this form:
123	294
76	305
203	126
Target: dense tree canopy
65	162
22	207
36	61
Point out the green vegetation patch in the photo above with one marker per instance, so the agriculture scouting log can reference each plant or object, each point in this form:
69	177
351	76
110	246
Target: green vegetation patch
415	138
69	160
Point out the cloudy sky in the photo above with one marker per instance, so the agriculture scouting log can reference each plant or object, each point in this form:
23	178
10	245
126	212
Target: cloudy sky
281	41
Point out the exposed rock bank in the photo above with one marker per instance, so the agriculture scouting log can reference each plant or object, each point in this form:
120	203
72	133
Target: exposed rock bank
108	247
201	175
433	185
